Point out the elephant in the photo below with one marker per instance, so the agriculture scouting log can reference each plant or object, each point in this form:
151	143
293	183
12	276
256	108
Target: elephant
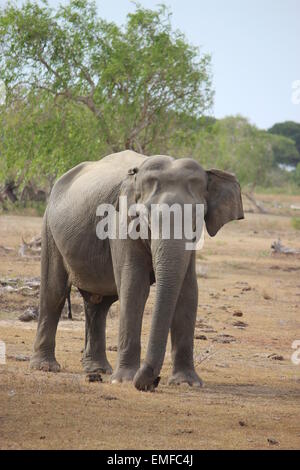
105	270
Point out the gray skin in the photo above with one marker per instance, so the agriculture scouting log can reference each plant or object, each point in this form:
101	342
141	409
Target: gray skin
107	270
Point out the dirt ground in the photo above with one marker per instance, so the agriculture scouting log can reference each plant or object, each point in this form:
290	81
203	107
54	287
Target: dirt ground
251	393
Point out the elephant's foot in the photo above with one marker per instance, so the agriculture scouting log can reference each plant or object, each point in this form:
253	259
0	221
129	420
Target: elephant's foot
188	376
145	379
44	364
123	374
92	366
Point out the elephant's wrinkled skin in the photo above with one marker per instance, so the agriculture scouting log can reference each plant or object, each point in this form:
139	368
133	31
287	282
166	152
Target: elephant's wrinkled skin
107	270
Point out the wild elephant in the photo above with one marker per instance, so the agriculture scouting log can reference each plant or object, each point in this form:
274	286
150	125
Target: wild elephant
109	269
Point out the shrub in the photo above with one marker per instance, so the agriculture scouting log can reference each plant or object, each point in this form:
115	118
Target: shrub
295	221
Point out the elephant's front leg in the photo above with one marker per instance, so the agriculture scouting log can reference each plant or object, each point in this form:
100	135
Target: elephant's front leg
94	356
133	281
182	331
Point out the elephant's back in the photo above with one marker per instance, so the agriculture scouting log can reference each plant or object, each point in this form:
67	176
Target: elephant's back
71	211
102	178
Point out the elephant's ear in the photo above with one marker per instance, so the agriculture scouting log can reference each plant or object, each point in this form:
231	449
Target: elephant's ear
128	188
224	201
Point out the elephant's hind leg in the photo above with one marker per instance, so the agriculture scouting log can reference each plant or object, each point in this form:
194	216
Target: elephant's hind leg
53	292
94	356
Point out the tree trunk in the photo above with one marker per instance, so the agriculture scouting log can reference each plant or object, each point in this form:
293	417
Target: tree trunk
9	191
255	203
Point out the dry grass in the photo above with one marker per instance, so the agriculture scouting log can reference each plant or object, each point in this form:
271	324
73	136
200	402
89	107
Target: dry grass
242	384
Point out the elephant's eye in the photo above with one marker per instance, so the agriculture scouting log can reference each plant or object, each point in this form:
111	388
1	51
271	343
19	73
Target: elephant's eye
195	185
196	181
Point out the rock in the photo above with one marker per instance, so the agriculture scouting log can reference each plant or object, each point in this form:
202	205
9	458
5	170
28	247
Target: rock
276	357
202	337
242	423
272	441
240	324
224	339
246	289
30	314
266	296
237	313
20	357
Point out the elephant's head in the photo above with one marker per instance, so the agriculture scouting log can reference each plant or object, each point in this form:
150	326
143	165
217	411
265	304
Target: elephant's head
162	179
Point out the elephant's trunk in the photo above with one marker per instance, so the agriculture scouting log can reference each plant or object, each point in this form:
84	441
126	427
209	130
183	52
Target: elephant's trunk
170	262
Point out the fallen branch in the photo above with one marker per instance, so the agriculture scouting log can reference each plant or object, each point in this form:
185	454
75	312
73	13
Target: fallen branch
31	248
277	247
6	249
255	203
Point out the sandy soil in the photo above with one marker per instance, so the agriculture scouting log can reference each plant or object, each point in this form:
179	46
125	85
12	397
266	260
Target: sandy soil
249	400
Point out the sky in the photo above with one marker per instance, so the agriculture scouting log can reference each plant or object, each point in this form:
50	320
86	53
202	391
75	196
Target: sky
255	48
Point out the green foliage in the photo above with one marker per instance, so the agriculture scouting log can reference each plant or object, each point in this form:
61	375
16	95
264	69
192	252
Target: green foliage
233	144
296	175
79	87
130	78
288	129
295	221
40	140
285	151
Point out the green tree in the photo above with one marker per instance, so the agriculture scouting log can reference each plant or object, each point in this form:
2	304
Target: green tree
41	139
288	129
285	150
132	79
296	175
233	144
